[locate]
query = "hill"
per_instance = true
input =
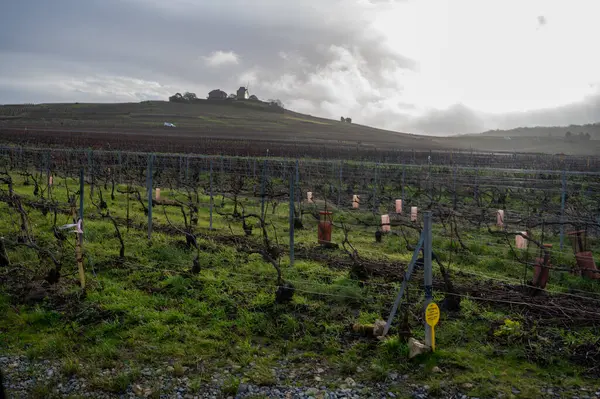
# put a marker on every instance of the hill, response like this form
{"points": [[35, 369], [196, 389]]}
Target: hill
{"points": [[572, 139], [250, 127], [593, 129], [245, 120]]}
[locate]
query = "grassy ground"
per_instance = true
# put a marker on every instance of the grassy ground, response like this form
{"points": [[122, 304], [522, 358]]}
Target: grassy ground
{"points": [[148, 308]]}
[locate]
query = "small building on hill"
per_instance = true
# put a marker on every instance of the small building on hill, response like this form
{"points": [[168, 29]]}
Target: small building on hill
{"points": [[242, 93], [217, 95]]}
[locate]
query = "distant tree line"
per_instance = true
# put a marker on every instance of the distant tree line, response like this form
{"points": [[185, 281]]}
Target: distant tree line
{"points": [[345, 120], [187, 97], [570, 137]]}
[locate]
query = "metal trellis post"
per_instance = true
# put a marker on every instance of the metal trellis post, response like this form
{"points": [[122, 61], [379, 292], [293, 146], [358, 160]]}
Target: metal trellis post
{"points": [[210, 177], [405, 281], [291, 221], [562, 208], [428, 270]]}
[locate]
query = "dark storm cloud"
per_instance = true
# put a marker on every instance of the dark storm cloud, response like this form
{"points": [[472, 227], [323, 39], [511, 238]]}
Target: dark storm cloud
{"points": [[169, 39]]}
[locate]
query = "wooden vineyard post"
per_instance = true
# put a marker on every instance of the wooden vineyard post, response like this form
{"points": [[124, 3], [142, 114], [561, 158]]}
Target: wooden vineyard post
{"points": [[149, 191], [79, 243], [81, 181], [454, 187], [119, 160], [427, 248], [262, 190]]}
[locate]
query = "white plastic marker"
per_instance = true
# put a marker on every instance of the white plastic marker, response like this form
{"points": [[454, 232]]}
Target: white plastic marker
{"points": [[413, 214], [76, 226]]}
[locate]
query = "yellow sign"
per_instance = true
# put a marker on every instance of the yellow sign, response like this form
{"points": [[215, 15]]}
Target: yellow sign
{"points": [[432, 314], [432, 317]]}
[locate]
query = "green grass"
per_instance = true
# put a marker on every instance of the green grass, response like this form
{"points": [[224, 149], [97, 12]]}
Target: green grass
{"points": [[149, 309]]}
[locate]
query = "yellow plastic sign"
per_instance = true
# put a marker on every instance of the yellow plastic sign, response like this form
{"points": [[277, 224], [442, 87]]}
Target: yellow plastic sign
{"points": [[432, 317]]}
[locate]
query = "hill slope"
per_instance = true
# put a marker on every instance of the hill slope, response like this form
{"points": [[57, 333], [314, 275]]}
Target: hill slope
{"points": [[245, 120], [592, 129], [254, 124]]}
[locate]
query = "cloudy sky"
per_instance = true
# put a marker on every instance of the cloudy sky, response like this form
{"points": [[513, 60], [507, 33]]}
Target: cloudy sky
{"points": [[423, 66]]}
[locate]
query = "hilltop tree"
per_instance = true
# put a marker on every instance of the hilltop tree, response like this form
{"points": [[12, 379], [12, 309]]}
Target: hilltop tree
{"points": [[190, 96], [177, 98], [568, 135], [276, 103], [584, 136]]}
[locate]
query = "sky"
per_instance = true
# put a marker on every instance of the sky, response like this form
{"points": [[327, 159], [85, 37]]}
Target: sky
{"points": [[422, 66]]}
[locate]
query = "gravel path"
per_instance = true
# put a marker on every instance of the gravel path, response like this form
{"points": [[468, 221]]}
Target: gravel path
{"points": [[26, 378]]}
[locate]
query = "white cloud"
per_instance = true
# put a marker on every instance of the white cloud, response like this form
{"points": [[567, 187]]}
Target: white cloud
{"points": [[426, 66], [220, 58], [97, 88]]}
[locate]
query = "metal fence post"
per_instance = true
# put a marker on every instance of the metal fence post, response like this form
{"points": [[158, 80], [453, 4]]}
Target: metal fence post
{"points": [[291, 220], [402, 186], [340, 184], [120, 167], [428, 270], [92, 174], [298, 189], [375, 190], [254, 175], [221, 178], [562, 208], [407, 274], [210, 177], [187, 169]]}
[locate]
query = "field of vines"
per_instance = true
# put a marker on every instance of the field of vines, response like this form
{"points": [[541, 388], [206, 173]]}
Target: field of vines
{"points": [[219, 270]]}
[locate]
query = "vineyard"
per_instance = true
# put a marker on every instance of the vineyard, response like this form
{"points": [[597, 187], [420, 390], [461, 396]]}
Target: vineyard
{"points": [[114, 260]]}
